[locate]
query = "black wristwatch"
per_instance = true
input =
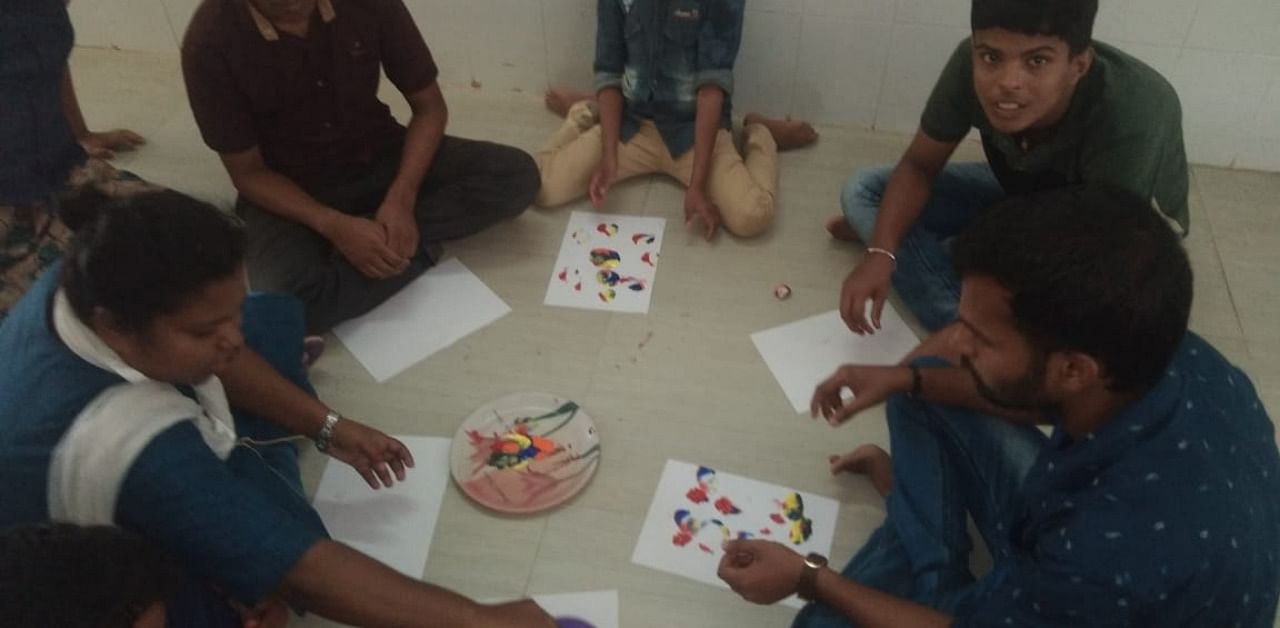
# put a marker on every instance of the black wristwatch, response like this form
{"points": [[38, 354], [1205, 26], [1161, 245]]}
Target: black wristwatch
{"points": [[807, 588]]}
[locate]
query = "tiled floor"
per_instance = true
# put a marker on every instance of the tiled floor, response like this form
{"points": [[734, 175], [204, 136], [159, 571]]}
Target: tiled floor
{"points": [[697, 390]]}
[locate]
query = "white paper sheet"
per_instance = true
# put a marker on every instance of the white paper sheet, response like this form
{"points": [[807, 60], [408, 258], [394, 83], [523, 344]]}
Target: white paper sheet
{"points": [[804, 353], [699, 557], [393, 525], [441, 307], [619, 281], [598, 608]]}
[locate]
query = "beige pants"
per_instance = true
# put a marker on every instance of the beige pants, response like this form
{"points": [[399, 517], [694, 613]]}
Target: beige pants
{"points": [[743, 188]]}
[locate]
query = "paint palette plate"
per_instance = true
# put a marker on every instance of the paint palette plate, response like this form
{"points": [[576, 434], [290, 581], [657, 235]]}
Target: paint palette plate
{"points": [[525, 453]]}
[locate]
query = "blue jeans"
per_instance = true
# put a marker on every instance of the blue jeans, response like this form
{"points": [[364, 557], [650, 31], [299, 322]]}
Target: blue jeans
{"points": [[947, 462], [925, 277]]}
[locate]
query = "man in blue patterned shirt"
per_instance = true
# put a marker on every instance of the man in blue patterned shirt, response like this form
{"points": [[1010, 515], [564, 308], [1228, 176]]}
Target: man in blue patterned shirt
{"points": [[1152, 503], [664, 85]]}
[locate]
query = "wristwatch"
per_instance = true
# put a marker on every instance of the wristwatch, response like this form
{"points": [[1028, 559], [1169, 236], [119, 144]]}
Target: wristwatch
{"points": [[807, 589], [325, 437]]}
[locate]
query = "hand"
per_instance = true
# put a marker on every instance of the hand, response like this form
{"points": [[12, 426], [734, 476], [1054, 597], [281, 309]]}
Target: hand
{"points": [[520, 614], [762, 572], [602, 180], [271, 612], [869, 280], [374, 454], [103, 145], [696, 205], [401, 225], [871, 385], [365, 244]]}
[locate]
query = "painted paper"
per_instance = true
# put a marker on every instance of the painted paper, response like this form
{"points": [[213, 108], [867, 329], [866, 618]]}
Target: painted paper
{"points": [[607, 262], [696, 508]]}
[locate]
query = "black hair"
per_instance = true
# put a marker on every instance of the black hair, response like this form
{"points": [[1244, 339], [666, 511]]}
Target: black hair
{"points": [[1069, 20], [1092, 269], [141, 257], [63, 575]]}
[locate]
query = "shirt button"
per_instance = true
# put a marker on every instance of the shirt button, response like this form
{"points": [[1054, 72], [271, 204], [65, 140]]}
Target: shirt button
{"points": [[328, 125], [320, 83]]}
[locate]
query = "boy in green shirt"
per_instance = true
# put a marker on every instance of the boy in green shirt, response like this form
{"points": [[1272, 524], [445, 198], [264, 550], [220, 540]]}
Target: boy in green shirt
{"points": [[1053, 107]]}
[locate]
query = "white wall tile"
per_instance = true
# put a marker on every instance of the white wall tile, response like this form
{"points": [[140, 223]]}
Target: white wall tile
{"points": [[1268, 121], [840, 70], [126, 24], [776, 6], [935, 12], [1163, 59], [917, 55], [868, 10], [1236, 25], [765, 72], [507, 44], [445, 28], [571, 40], [1259, 154], [179, 13], [1159, 22], [1224, 80]]}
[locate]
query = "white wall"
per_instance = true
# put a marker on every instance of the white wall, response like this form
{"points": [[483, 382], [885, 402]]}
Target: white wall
{"points": [[863, 63]]}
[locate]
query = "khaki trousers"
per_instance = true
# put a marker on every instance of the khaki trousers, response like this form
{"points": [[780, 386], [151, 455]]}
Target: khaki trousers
{"points": [[744, 188]]}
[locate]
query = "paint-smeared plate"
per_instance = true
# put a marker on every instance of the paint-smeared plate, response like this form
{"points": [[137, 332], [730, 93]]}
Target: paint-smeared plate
{"points": [[525, 453]]}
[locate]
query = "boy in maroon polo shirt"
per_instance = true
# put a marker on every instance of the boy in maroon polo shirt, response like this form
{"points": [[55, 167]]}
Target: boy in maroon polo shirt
{"points": [[344, 206]]}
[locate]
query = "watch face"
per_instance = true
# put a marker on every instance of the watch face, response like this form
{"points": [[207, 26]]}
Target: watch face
{"points": [[815, 560]]}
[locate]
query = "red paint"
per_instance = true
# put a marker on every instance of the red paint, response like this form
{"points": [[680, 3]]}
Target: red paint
{"points": [[766, 531], [726, 507], [697, 495], [703, 547], [681, 539], [777, 518]]}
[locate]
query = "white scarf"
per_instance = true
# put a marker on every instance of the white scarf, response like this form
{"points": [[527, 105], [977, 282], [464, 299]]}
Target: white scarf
{"points": [[90, 463]]}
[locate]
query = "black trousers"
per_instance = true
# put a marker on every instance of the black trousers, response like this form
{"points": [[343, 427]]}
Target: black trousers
{"points": [[470, 186]]}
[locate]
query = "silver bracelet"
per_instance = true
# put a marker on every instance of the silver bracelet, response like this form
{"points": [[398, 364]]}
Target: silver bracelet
{"points": [[325, 437], [892, 257]]}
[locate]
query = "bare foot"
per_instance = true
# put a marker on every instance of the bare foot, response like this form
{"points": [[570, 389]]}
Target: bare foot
{"points": [[559, 100], [839, 229], [788, 134], [868, 460]]}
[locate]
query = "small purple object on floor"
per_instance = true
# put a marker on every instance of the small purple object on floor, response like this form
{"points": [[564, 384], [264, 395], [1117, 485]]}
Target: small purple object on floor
{"points": [[573, 622], [312, 349]]}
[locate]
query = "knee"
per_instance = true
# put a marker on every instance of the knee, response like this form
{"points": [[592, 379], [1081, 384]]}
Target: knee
{"points": [[525, 181], [860, 198], [752, 216]]}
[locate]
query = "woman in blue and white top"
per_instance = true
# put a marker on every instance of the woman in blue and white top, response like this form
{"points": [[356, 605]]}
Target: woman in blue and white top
{"points": [[140, 387]]}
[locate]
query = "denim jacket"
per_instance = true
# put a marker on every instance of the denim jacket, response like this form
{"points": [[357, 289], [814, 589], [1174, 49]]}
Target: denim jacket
{"points": [[659, 52]]}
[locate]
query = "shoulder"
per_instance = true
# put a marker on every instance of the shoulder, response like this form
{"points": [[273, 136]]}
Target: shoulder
{"points": [[1133, 92], [211, 25]]}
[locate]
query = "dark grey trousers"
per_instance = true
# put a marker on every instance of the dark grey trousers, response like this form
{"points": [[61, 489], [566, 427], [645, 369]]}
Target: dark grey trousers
{"points": [[470, 186]]}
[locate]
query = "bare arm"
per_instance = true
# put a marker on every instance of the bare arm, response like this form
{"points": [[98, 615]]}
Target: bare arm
{"points": [[340, 583], [873, 385], [609, 100], [426, 129], [904, 198], [252, 384], [71, 106], [362, 241], [909, 189], [706, 124]]}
